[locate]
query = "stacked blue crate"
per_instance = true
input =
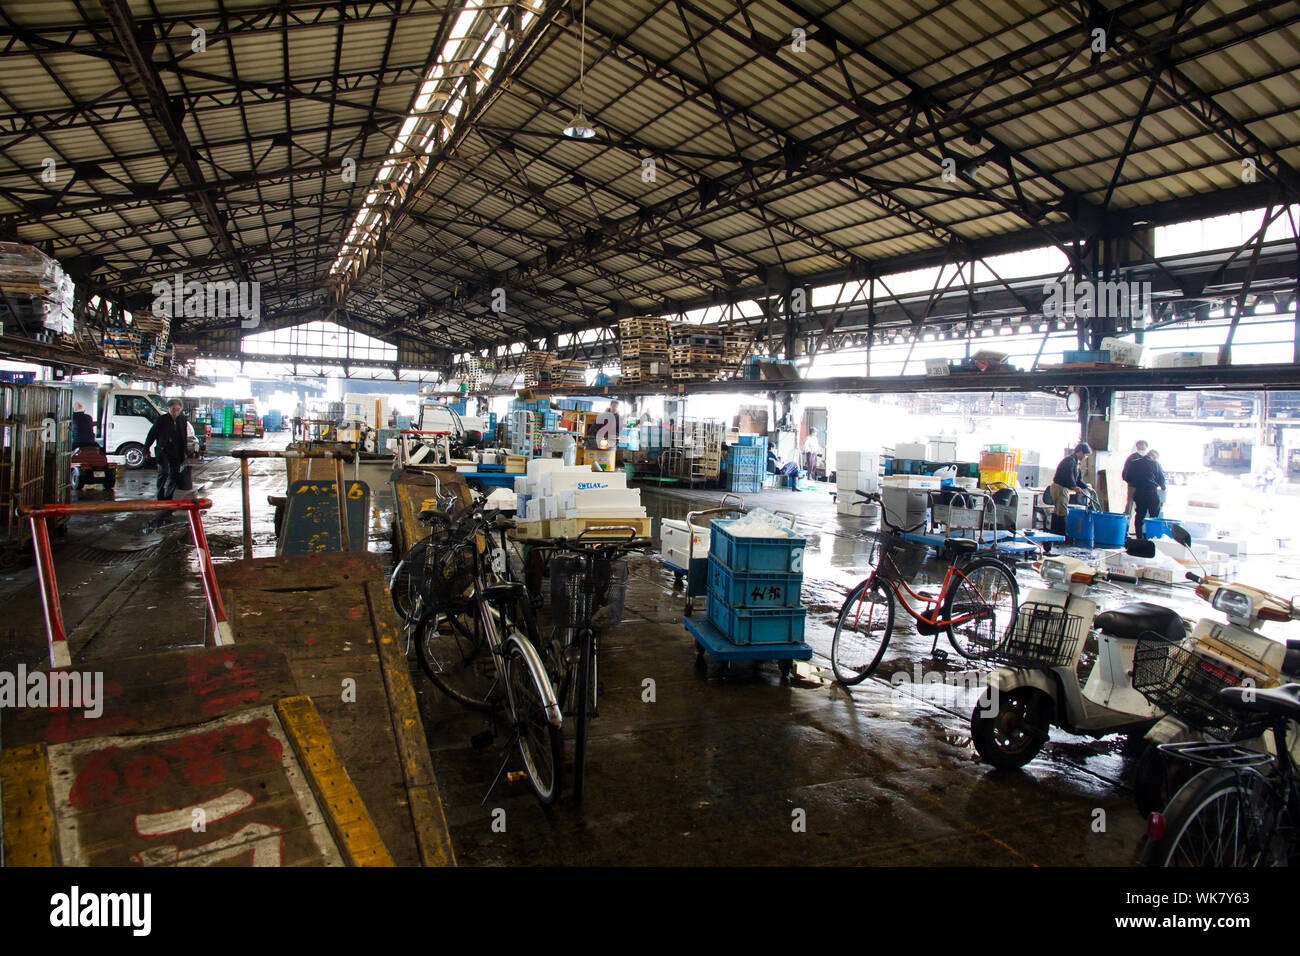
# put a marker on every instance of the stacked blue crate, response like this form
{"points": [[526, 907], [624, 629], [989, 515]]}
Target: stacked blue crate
{"points": [[755, 586], [745, 466]]}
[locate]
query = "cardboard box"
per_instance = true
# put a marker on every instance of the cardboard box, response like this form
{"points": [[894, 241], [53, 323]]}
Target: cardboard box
{"points": [[515, 464], [1122, 352]]}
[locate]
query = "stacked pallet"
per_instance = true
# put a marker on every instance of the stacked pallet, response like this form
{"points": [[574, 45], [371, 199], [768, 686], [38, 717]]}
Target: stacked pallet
{"points": [[544, 370], [643, 349], [695, 353], [537, 366], [123, 344], [736, 346]]}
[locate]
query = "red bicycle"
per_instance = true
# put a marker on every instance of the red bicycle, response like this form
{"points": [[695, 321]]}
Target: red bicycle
{"points": [[975, 606]]}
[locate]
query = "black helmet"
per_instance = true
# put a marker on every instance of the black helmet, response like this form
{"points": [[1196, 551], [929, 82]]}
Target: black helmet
{"points": [[1084, 447]]}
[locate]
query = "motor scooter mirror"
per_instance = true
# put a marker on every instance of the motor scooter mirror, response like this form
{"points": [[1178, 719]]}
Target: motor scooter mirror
{"points": [[1140, 547], [1179, 534]]}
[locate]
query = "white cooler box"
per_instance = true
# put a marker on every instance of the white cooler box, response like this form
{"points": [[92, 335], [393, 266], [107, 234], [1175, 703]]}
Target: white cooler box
{"points": [[675, 542]]}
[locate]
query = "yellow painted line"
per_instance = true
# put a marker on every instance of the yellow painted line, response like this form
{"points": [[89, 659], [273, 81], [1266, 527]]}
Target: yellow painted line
{"points": [[412, 746], [347, 815], [28, 819]]}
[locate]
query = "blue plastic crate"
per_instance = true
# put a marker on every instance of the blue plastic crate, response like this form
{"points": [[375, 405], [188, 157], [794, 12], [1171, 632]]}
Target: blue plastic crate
{"points": [[750, 440], [762, 589], [744, 553], [757, 625], [745, 486]]}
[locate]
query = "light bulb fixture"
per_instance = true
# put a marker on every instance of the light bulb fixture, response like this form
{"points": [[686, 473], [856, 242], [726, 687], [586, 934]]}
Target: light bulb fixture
{"points": [[579, 126]]}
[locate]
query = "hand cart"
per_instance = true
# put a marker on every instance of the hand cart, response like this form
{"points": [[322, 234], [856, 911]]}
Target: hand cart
{"points": [[318, 516]]}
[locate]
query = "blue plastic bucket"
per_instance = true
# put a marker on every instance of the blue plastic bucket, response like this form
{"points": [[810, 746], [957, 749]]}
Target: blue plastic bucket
{"points": [[1078, 523], [1108, 529]]}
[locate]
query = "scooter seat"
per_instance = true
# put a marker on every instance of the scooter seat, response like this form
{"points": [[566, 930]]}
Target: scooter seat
{"points": [[1281, 701], [1142, 620], [1291, 663]]}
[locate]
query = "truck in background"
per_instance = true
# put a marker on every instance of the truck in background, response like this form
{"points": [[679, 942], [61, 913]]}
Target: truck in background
{"points": [[123, 417]]}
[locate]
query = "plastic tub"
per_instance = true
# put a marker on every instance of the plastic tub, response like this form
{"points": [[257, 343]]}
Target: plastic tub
{"points": [[1109, 529], [759, 589], [1078, 523], [757, 626]]}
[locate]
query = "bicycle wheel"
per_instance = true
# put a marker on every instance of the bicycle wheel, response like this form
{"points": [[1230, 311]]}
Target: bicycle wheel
{"points": [[1222, 817], [986, 596], [530, 697], [862, 631], [454, 655], [407, 584], [584, 693]]}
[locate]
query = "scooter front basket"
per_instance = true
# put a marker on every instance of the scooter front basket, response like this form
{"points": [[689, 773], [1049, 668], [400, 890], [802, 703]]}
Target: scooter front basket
{"points": [[1044, 635]]}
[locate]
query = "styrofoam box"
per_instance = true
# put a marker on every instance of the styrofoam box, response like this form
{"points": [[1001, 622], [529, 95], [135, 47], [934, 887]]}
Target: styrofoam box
{"points": [[1122, 352], [581, 479], [1185, 359], [855, 461], [1232, 547], [924, 482], [856, 509], [673, 534], [537, 467], [910, 449], [623, 512], [550, 507], [941, 451], [533, 509], [628, 499], [521, 485], [851, 481]]}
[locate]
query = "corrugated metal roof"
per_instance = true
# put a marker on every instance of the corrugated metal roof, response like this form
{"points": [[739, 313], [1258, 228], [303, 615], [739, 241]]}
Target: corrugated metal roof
{"points": [[819, 161]]}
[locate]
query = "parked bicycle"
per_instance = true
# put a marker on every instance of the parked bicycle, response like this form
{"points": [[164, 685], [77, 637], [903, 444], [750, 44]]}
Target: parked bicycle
{"points": [[477, 638], [975, 605], [588, 581], [1243, 805]]}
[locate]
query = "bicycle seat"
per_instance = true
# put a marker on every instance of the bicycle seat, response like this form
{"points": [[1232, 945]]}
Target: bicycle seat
{"points": [[504, 591], [501, 521], [962, 545], [1281, 701], [1142, 620]]}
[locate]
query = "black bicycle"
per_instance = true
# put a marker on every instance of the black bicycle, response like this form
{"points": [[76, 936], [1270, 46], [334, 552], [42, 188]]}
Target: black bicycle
{"points": [[478, 642], [1242, 807], [588, 590]]}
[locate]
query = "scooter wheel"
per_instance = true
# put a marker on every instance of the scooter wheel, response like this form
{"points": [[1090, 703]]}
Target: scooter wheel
{"points": [[1009, 728]]}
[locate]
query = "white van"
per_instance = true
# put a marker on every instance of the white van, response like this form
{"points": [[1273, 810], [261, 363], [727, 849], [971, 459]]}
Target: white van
{"points": [[123, 419]]}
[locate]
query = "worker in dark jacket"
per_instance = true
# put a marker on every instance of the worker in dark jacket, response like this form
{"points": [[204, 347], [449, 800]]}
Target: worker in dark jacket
{"points": [[1140, 450], [83, 429], [1066, 482], [170, 438], [1147, 479]]}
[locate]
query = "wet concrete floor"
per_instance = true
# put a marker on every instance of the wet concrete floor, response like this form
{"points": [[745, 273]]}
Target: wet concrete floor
{"points": [[714, 766]]}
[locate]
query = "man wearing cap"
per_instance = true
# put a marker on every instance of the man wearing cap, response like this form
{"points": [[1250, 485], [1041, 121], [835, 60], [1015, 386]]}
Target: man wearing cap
{"points": [[1066, 482], [170, 433]]}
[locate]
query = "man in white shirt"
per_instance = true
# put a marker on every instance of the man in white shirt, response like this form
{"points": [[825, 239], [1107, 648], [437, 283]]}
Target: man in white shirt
{"points": [[812, 450]]}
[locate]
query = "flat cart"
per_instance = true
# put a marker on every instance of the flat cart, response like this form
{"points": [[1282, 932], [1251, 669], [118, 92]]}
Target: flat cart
{"points": [[697, 573], [709, 640]]}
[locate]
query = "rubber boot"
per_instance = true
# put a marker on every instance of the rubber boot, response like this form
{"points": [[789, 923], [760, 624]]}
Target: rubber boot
{"points": [[1058, 525]]}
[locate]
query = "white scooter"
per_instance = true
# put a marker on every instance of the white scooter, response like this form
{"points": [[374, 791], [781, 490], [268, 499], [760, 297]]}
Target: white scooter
{"points": [[1185, 681], [1041, 688]]}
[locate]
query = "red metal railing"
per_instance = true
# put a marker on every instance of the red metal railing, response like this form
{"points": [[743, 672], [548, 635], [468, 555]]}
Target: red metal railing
{"points": [[58, 638]]}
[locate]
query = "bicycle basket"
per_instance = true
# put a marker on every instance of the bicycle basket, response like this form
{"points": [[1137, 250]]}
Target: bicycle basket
{"points": [[583, 588], [1186, 682], [449, 574], [1044, 635]]}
